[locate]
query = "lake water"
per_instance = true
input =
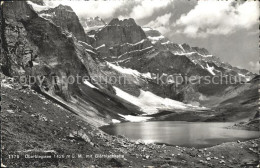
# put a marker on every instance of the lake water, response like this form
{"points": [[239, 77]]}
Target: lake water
{"points": [[188, 134]]}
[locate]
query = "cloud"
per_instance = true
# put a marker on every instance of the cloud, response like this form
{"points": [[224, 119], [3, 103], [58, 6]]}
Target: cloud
{"points": [[146, 8], [161, 23], [255, 66], [104, 9], [137, 9], [217, 18]]}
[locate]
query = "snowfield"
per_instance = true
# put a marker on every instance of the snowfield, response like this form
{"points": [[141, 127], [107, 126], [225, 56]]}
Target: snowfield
{"points": [[135, 118], [146, 29], [115, 121], [150, 103]]}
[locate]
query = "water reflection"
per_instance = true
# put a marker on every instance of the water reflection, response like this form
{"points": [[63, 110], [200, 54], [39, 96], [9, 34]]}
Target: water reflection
{"points": [[188, 134]]}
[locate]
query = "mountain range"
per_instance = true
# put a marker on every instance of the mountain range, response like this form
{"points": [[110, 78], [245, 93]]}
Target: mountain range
{"points": [[53, 42]]}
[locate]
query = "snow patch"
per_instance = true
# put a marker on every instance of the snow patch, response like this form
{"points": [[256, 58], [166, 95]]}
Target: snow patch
{"points": [[206, 55], [147, 75], [128, 71], [35, 63], [85, 44], [45, 15], [103, 45], [181, 47], [89, 84], [135, 118], [38, 8], [139, 42], [241, 75], [167, 42], [191, 53], [202, 97], [91, 51], [123, 70], [115, 121], [92, 36], [149, 102], [133, 44], [210, 69], [157, 38], [146, 29]]}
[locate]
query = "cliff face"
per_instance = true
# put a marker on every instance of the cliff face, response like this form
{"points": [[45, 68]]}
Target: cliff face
{"points": [[19, 52], [66, 18], [37, 47], [119, 32]]}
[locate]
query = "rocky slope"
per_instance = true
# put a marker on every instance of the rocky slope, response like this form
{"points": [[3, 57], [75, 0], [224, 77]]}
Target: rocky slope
{"points": [[34, 45]]}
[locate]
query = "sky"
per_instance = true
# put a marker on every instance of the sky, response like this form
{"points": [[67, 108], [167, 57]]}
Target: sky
{"points": [[228, 29]]}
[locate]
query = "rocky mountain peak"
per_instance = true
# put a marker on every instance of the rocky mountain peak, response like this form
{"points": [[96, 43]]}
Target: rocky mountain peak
{"points": [[64, 7], [120, 32], [125, 22], [64, 17]]}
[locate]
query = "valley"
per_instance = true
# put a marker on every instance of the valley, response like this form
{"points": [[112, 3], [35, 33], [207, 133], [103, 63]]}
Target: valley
{"points": [[33, 125], [132, 80]]}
